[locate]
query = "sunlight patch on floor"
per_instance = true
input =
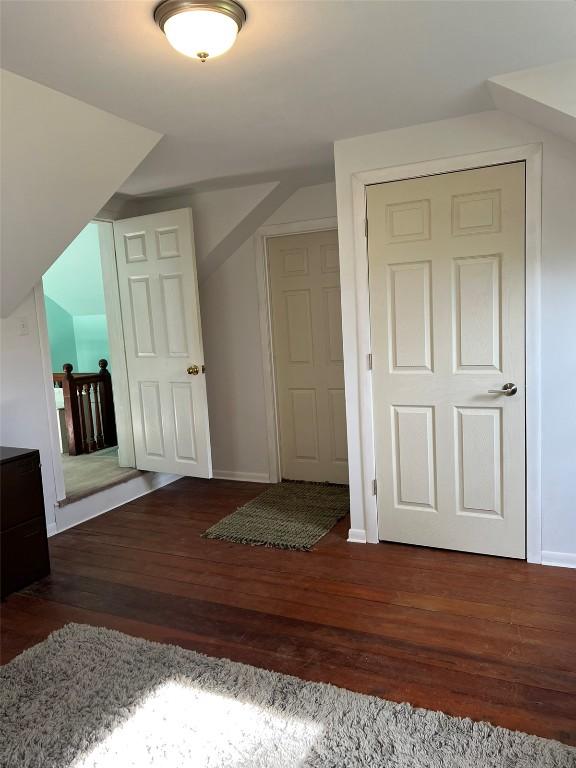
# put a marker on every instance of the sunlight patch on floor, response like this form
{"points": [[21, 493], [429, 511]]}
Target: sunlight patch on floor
{"points": [[179, 725]]}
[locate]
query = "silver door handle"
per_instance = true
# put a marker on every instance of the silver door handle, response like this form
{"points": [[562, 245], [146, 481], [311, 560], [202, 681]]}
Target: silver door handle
{"points": [[508, 390]]}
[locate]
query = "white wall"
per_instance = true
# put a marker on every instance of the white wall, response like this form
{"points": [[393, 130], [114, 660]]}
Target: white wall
{"points": [[216, 212], [61, 161], [314, 202], [234, 377], [229, 306], [231, 329], [461, 136], [24, 419]]}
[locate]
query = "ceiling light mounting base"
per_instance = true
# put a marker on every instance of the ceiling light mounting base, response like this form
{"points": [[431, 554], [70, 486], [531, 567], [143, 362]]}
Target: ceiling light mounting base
{"points": [[170, 8]]}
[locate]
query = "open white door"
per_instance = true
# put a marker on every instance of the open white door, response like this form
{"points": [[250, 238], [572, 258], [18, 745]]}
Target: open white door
{"points": [[164, 354]]}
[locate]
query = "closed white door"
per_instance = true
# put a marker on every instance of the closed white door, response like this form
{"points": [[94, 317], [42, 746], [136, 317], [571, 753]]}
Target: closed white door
{"points": [[163, 337], [446, 260], [307, 339]]}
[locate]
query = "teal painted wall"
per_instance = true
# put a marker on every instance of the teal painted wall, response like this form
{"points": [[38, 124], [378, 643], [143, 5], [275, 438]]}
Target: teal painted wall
{"points": [[73, 287], [75, 279], [61, 334], [91, 341]]}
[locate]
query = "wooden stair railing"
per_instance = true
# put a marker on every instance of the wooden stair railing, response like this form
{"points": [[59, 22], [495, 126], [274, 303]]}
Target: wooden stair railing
{"points": [[88, 408]]}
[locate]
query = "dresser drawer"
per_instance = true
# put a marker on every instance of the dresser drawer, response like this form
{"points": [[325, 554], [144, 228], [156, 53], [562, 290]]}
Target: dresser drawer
{"points": [[24, 555], [21, 497]]}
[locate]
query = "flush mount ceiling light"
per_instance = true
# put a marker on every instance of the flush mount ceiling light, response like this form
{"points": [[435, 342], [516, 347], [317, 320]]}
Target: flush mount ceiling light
{"points": [[200, 28]]}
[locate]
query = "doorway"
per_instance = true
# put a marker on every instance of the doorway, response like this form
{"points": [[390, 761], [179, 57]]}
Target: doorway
{"points": [[306, 325], [148, 278], [83, 378], [446, 258]]}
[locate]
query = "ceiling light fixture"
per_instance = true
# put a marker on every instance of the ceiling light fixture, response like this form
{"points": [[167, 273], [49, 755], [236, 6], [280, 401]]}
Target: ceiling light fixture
{"points": [[201, 28]]}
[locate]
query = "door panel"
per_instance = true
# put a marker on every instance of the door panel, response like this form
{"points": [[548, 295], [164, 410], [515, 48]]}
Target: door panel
{"points": [[477, 310], [174, 315], [304, 418], [160, 312], [410, 322], [307, 338], [414, 464], [153, 432], [478, 461], [446, 260]]}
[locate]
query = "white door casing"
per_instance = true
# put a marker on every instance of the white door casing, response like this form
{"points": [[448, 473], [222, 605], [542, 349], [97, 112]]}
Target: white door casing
{"points": [[446, 273], [307, 344], [117, 349], [161, 318]]}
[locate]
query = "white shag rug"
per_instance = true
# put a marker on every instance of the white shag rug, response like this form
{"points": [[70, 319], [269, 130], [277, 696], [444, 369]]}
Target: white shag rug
{"points": [[94, 698]]}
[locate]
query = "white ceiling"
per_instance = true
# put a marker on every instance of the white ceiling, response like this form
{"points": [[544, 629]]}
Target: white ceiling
{"points": [[302, 73]]}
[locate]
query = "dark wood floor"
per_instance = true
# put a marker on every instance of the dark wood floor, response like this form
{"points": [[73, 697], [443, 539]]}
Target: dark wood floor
{"points": [[475, 636]]}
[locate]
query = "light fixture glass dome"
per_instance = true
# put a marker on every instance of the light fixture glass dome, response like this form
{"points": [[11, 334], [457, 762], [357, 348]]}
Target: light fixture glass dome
{"points": [[200, 28], [201, 33]]}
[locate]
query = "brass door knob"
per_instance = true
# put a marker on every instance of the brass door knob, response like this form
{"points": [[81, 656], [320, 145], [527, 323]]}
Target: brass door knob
{"points": [[194, 370]]}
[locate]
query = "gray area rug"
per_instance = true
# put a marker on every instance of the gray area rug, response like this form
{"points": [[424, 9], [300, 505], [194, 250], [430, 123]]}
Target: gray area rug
{"points": [[94, 698], [288, 515], [91, 473]]}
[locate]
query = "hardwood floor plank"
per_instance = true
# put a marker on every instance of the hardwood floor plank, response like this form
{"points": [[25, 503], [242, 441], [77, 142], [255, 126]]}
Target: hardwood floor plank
{"points": [[487, 639], [247, 578], [206, 618], [545, 598], [471, 635], [509, 715], [308, 645]]}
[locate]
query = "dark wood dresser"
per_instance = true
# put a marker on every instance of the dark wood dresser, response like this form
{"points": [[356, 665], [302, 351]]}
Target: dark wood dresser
{"points": [[23, 540]]}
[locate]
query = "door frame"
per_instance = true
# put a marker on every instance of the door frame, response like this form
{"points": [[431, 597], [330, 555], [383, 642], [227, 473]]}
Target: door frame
{"points": [[362, 409], [263, 234], [116, 344], [46, 359]]}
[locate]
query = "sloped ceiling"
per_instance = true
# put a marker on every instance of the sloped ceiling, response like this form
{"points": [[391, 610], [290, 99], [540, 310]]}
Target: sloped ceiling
{"points": [[226, 216], [61, 161], [545, 96], [216, 212], [301, 75]]}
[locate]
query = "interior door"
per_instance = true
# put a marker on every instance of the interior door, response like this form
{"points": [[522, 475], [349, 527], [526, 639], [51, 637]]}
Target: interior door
{"points": [[307, 338], [163, 337], [446, 260]]}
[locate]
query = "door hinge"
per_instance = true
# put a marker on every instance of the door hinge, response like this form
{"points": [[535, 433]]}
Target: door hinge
{"points": [[366, 228], [369, 361], [374, 487]]}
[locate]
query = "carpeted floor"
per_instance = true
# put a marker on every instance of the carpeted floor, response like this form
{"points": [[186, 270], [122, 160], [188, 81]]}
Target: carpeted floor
{"points": [[288, 515], [90, 473], [94, 698]]}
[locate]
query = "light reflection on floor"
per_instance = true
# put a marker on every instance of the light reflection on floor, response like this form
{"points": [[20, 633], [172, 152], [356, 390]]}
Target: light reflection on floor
{"points": [[182, 726]]}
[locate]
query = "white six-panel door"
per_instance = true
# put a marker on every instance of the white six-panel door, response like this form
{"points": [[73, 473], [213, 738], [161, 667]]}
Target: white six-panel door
{"points": [[163, 338], [446, 261], [307, 340]]}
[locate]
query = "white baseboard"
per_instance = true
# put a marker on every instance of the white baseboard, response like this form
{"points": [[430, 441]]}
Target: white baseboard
{"points": [[51, 529], [246, 477], [357, 536], [562, 559], [92, 506]]}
